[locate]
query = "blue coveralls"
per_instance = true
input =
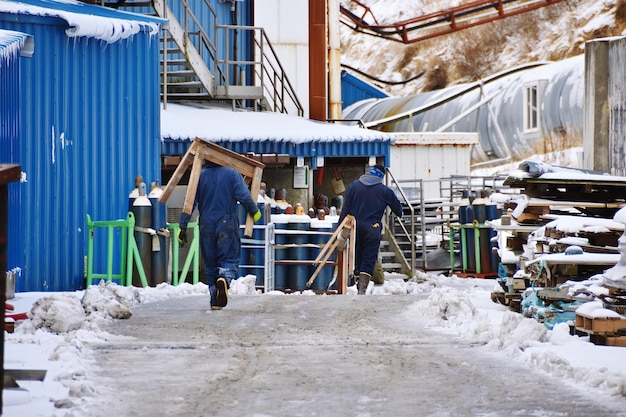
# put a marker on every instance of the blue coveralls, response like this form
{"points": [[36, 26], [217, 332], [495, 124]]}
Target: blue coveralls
{"points": [[219, 190], [366, 200]]}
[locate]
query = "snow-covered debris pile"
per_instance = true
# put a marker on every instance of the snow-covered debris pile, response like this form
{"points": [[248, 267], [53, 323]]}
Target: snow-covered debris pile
{"points": [[86, 310], [471, 315]]}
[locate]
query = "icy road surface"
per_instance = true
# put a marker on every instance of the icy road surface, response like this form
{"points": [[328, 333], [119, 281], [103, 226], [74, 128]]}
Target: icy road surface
{"points": [[315, 356]]}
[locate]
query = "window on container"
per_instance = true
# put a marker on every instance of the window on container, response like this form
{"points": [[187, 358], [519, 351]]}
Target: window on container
{"points": [[531, 108]]}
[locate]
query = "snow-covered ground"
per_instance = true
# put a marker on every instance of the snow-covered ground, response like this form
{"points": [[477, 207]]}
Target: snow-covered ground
{"points": [[61, 325]]}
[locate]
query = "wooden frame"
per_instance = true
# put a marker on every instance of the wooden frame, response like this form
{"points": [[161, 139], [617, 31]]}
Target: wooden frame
{"points": [[201, 150]]}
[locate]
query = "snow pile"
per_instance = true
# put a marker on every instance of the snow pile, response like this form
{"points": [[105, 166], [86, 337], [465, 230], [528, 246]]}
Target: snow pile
{"points": [[475, 318]]}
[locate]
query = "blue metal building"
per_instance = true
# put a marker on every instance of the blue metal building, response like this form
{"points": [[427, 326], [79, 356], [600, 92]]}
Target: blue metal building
{"points": [[89, 123], [354, 89], [13, 45]]}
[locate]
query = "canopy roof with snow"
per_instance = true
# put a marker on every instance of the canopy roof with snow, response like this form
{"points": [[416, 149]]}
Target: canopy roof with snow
{"points": [[13, 43], [86, 20], [266, 132]]}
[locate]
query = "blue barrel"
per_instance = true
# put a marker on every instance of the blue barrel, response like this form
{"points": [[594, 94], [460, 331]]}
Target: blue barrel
{"points": [[299, 253], [465, 214], [323, 229], [492, 211], [480, 212], [281, 272]]}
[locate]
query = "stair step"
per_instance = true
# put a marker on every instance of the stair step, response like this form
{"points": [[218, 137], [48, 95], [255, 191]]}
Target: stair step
{"points": [[180, 73], [390, 265], [185, 84], [187, 96], [176, 61], [388, 254]]}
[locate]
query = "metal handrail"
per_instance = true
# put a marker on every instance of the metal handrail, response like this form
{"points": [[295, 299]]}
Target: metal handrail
{"points": [[268, 73], [266, 70], [411, 236]]}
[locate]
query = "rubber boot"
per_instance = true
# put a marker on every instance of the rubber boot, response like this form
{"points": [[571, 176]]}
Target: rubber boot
{"points": [[364, 280]]}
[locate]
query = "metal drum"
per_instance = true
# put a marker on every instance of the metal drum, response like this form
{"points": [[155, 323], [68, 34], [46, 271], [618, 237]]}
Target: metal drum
{"points": [[256, 254], [159, 223], [281, 272], [299, 253], [323, 229]]}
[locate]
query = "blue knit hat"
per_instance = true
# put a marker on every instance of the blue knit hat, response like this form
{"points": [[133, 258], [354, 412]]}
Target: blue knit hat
{"points": [[378, 170]]}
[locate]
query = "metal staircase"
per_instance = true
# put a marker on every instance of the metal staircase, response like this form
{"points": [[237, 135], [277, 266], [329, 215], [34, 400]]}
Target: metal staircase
{"points": [[425, 237], [200, 59]]}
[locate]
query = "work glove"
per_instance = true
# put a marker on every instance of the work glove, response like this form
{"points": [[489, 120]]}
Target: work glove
{"points": [[182, 237], [257, 216]]}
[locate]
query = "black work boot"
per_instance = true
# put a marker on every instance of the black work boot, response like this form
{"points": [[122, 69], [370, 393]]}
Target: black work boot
{"points": [[363, 280]]}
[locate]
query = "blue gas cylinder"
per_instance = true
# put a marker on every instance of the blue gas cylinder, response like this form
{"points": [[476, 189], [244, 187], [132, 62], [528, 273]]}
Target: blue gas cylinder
{"points": [[299, 253], [322, 231]]}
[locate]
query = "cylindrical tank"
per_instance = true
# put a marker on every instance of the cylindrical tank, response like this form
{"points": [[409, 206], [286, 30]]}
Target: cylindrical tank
{"points": [[243, 254], [493, 212], [281, 272], [135, 193], [333, 218], [142, 209], [256, 255], [159, 223], [322, 229], [299, 252]]}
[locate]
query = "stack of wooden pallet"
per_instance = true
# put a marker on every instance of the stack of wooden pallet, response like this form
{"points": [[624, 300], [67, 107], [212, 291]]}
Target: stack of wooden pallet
{"points": [[610, 331]]}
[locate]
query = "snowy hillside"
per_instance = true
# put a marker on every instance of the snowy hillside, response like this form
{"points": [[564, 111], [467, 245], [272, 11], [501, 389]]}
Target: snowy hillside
{"points": [[551, 33]]}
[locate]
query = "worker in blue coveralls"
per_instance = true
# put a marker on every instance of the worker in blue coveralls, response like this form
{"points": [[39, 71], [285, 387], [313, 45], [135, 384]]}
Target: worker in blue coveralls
{"points": [[366, 200], [219, 190]]}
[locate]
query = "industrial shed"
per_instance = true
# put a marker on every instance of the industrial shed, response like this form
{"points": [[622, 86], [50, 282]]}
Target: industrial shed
{"points": [[89, 123], [286, 144]]}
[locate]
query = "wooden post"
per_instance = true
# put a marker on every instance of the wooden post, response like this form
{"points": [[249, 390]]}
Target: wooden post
{"points": [[343, 267]]}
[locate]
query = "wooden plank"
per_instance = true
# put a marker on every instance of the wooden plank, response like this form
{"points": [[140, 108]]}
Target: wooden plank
{"points": [[178, 174], [193, 185], [255, 186], [229, 153]]}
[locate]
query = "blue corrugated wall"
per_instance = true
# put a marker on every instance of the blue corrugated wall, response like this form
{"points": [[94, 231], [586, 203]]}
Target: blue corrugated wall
{"points": [[9, 144], [90, 124], [354, 89]]}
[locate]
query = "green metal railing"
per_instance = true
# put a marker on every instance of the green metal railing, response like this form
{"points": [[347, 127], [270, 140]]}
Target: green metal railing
{"points": [[129, 253]]}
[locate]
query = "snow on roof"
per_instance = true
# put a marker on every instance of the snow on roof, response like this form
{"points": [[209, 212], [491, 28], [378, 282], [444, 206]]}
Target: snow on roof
{"points": [[576, 224], [188, 122], [11, 43], [86, 20], [587, 258]]}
